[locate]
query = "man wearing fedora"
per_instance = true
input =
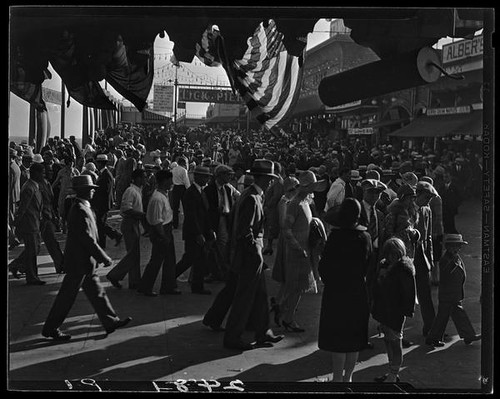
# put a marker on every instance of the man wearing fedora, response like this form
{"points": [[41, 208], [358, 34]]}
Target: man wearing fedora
{"points": [[250, 298], [103, 201], [197, 232], [81, 256], [451, 294], [424, 257], [27, 223]]}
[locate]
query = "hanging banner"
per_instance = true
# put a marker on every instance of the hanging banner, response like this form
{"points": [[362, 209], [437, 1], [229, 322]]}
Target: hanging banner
{"points": [[163, 98], [51, 96], [209, 96]]}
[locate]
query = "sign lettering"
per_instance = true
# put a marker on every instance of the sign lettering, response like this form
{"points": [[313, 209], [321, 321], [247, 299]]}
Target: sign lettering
{"points": [[462, 49], [362, 130], [208, 96], [448, 111], [163, 98]]}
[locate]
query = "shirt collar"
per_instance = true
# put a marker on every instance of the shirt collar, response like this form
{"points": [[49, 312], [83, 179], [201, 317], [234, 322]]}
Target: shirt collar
{"points": [[84, 202], [258, 188]]}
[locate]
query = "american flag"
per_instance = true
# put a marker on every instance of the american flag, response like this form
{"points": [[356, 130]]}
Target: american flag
{"points": [[267, 76]]}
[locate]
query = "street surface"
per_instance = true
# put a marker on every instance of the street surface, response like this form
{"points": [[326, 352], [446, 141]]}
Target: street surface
{"points": [[166, 340]]}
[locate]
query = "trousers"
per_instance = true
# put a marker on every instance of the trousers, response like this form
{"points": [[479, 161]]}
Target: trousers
{"points": [[194, 257], [47, 230], [423, 287], [131, 262], [456, 311], [162, 256], [177, 193], [222, 303], [67, 295]]}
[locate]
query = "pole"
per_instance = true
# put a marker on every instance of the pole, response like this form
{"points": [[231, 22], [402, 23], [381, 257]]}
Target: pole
{"points": [[175, 98], [63, 109]]}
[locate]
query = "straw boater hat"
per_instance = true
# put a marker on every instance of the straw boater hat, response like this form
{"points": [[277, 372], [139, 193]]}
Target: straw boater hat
{"points": [[82, 181], [202, 170], [262, 167], [308, 182], [102, 157], [454, 239]]}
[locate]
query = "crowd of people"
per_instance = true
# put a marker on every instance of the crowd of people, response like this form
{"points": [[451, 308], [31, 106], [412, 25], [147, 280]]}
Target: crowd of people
{"points": [[366, 224]]}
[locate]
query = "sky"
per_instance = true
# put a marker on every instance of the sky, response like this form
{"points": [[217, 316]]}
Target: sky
{"points": [[193, 73]]}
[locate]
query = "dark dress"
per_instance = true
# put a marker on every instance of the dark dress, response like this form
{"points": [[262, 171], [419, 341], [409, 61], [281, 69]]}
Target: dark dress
{"points": [[343, 325]]}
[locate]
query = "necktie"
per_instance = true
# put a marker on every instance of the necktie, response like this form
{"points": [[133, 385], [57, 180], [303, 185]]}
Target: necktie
{"points": [[223, 206], [372, 224], [204, 199]]}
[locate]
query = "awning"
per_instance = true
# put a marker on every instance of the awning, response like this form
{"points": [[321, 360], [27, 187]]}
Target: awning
{"points": [[443, 125], [153, 117]]}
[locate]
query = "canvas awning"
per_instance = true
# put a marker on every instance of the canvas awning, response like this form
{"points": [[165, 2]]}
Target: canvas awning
{"points": [[442, 125], [153, 117]]}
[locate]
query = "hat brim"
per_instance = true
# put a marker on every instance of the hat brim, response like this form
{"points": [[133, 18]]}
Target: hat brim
{"points": [[456, 242], [85, 186], [320, 185], [356, 178], [203, 173], [260, 173]]}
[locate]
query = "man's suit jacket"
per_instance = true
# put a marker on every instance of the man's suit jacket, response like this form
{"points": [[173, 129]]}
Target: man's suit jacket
{"points": [[423, 250], [27, 219], [213, 202], [247, 231], [451, 198], [363, 220], [82, 251], [196, 220], [451, 278], [103, 197]]}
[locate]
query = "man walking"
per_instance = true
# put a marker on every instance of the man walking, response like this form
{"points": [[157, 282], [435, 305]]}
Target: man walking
{"points": [[159, 215], [132, 212], [81, 255], [196, 231], [181, 183], [250, 298]]}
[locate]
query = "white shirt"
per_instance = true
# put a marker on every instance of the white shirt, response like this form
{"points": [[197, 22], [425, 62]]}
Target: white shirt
{"points": [[159, 210], [180, 176], [131, 199]]}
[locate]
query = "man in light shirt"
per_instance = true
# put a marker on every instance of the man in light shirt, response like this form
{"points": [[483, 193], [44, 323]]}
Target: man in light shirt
{"points": [[180, 180], [159, 215], [132, 213], [339, 190]]}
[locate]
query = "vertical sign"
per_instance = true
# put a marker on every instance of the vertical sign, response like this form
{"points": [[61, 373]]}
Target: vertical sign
{"points": [[163, 98]]}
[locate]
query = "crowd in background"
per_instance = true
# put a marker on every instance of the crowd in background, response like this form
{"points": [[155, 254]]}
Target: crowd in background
{"points": [[369, 210]]}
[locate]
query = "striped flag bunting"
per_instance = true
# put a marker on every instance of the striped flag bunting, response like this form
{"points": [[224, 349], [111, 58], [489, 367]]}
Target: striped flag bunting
{"points": [[268, 77]]}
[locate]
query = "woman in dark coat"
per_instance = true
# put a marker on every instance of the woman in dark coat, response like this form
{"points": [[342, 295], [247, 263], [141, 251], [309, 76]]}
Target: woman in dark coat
{"points": [[343, 326], [393, 294]]}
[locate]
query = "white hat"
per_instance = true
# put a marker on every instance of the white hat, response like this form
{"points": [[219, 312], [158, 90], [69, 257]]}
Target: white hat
{"points": [[101, 157], [37, 158]]}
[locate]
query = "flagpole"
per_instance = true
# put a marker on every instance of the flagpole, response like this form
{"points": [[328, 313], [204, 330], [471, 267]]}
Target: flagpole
{"points": [[63, 110]]}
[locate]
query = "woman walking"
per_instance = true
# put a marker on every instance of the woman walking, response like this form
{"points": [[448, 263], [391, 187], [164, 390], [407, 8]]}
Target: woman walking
{"points": [[343, 326], [393, 294]]}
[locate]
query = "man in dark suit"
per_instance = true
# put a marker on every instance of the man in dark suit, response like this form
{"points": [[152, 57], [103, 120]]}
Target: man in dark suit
{"points": [[103, 202], [27, 222], [424, 258], [81, 255], [221, 196], [452, 198], [196, 231], [250, 302]]}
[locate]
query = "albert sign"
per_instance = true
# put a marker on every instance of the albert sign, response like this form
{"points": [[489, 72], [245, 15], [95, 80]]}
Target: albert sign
{"points": [[208, 96], [463, 49]]}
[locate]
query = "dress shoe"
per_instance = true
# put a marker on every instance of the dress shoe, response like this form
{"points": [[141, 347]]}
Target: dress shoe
{"points": [[212, 326], [171, 292], [147, 293], [36, 282], [269, 338], [203, 291], [291, 328], [15, 273], [238, 345], [114, 283], [57, 335], [470, 340], [406, 344], [118, 324], [436, 344]]}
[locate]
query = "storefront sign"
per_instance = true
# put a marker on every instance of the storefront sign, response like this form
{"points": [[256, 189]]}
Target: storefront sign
{"points": [[163, 98], [462, 49], [363, 130], [208, 96], [464, 67], [448, 111]]}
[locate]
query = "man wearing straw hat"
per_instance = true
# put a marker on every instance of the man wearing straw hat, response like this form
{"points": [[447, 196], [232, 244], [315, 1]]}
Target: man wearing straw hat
{"points": [[451, 294], [81, 256], [247, 237]]}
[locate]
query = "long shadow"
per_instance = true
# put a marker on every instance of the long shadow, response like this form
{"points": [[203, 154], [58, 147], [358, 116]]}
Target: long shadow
{"points": [[140, 358]]}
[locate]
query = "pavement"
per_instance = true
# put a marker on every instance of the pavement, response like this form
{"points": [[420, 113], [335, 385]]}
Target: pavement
{"points": [[166, 341]]}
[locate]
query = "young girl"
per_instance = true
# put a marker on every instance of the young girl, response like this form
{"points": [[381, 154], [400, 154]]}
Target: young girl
{"points": [[393, 295]]}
